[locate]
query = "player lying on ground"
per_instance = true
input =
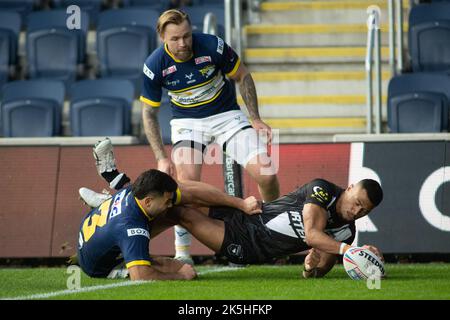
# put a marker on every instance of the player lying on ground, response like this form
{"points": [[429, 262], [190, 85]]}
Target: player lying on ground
{"points": [[319, 216], [120, 228]]}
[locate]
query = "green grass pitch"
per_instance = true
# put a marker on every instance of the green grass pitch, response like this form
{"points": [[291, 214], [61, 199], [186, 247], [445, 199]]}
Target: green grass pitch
{"points": [[405, 281]]}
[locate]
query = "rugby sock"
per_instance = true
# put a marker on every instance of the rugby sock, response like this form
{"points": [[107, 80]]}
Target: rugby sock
{"points": [[119, 182], [115, 179], [110, 176], [182, 242]]}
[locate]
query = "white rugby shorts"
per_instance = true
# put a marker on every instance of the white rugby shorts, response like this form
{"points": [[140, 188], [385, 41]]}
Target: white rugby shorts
{"points": [[231, 130]]}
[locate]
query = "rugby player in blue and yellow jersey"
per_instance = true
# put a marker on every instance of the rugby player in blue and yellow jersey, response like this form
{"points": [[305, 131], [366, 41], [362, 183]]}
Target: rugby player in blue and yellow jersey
{"points": [[196, 70], [119, 230]]}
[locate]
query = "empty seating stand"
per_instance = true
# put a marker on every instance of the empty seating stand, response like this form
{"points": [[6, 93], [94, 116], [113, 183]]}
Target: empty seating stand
{"points": [[32, 108], [10, 23], [419, 102], [91, 7], [125, 37], [429, 37], [22, 7], [159, 5], [198, 13], [101, 107]]}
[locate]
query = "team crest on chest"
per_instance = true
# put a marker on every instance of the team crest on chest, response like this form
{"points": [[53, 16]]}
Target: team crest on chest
{"points": [[189, 77], [207, 71]]}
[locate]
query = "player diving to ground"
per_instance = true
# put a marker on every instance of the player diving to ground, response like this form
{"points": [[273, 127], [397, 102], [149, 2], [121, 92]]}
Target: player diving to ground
{"points": [[319, 217]]}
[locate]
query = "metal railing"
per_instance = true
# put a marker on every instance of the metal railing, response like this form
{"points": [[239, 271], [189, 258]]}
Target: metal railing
{"points": [[373, 57], [395, 10], [210, 24], [373, 61], [233, 25]]}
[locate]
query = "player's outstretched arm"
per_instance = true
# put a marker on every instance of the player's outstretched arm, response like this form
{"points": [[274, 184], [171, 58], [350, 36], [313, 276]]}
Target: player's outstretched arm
{"points": [[315, 221], [163, 269], [203, 194], [318, 263]]}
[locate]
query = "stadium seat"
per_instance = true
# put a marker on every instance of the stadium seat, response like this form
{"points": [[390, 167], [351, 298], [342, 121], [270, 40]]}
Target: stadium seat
{"points": [[9, 34], [22, 7], [429, 37], [54, 50], [125, 38], [209, 2], [32, 108], [419, 102], [101, 107], [159, 5], [91, 7], [197, 14]]}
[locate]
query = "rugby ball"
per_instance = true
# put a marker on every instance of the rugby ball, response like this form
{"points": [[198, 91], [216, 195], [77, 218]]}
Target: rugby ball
{"points": [[361, 264]]}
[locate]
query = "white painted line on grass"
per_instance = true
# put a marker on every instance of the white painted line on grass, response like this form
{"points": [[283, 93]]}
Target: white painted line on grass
{"points": [[103, 287]]}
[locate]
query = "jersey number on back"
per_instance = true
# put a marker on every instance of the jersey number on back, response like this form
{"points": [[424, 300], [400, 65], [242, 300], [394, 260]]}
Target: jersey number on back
{"points": [[97, 220]]}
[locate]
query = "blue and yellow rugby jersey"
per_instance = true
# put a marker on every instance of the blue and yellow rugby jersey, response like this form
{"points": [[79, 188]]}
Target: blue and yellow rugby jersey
{"points": [[118, 230], [197, 87]]}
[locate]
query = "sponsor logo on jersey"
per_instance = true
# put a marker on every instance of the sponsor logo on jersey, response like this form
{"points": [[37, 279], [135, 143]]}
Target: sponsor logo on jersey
{"points": [[203, 59], [148, 72], [138, 232], [220, 44], [169, 70], [321, 195], [235, 250], [297, 224], [289, 223], [207, 71], [173, 83], [117, 204]]}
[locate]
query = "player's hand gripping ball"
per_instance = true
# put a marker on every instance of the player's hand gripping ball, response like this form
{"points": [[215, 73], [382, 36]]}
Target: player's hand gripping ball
{"points": [[361, 263]]}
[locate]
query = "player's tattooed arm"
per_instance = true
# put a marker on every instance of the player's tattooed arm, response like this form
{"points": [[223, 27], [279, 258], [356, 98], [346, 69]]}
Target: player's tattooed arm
{"points": [[152, 131], [248, 91]]}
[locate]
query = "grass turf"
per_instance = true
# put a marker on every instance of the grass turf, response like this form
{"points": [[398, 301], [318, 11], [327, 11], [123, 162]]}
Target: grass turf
{"points": [[405, 281]]}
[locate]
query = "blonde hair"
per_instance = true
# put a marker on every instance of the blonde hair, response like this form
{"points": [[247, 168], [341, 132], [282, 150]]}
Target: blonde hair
{"points": [[171, 16]]}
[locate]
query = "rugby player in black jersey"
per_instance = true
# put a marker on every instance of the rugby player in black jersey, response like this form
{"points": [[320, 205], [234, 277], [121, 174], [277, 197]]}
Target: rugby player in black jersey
{"points": [[319, 217]]}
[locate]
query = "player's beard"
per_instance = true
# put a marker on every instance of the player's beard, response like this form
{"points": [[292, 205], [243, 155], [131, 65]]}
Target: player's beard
{"points": [[184, 53]]}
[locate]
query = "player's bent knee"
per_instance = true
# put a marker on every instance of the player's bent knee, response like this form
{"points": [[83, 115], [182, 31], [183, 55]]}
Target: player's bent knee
{"points": [[267, 181]]}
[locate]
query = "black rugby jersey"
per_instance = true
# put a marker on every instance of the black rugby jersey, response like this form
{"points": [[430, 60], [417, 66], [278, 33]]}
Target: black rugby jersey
{"points": [[283, 219]]}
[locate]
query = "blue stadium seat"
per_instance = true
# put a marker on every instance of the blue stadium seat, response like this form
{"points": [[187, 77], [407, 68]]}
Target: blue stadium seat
{"points": [[197, 14], [209, 2], [101, 107], [429, 37], [419, 102], [91, 7], [159, 5], [32, 108], [54, 50], [9, 34], [125, 37], [22, 7]]}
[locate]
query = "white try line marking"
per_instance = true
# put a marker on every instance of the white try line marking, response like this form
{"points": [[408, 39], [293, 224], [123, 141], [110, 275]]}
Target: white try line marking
{"points": [[103, 287]]}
